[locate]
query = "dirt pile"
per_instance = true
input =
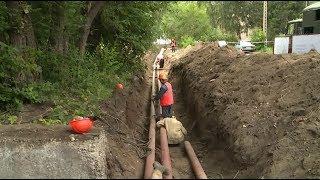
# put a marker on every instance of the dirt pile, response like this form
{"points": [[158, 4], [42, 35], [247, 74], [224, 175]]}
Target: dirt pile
{"points": [[264, 107], [125, 120]]}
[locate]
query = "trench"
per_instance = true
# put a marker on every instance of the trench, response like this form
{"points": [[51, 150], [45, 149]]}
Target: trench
{"points": [[209, 140], [209, 143]]}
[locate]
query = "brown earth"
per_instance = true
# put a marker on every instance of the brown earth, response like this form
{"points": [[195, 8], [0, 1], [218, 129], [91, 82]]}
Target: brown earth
{"points": [[126, 121], [257, 115]]}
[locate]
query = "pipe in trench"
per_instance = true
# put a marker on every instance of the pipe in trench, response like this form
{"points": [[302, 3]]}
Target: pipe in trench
{"points": [[165, 155], [196, 166], [152, 132]]}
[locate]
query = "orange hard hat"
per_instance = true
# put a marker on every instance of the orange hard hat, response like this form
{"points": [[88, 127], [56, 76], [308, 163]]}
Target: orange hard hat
{"points": [[81, 125], [163, 76], [119, 86]]}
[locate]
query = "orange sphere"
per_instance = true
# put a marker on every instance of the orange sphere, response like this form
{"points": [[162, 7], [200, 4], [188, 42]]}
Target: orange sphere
{"points": [[81, 125], [119, 86]]}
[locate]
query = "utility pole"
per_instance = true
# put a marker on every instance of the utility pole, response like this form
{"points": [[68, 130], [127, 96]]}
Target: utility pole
{"points": [[265, 20]]}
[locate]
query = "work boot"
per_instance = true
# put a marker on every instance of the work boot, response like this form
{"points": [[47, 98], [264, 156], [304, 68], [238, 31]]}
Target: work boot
{"points": [[158, 170], [161, 168]]}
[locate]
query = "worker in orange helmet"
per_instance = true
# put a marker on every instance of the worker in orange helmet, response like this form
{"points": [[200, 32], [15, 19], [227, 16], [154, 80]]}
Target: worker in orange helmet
{"points": [[173, 45], [165, 95]]}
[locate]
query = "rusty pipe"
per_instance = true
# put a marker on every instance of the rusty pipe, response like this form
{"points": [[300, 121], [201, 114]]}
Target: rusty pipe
{"points": [[196, 166], [152, 130], [152, 143], [159, 85], [165, 155]]}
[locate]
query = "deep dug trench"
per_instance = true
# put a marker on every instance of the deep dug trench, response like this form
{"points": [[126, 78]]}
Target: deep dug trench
{"points": [[253, 116], [199, 117], [209, 140]]}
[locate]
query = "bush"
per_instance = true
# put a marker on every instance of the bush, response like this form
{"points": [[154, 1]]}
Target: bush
{"points": [[258, 35], [18, 69], [187, 40], [74, 84], [216, 34], [263, 48], [83, 81]]}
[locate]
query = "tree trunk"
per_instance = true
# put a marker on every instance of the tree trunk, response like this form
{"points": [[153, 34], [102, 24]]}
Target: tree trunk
{"points": [[21, 33], [93, 9], [15, 36], [60, 23]]}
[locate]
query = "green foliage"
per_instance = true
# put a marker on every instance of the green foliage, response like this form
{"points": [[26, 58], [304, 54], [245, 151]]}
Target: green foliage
{"points": [[37, 92], [49, 122], [186, 19], [8, 119], [45, 20], [187, 40], [83, 82], [235, 16], [239, 16], [189, 21], [119, 36], [4, 24], [258, 35], [279, 13], [18, 69], [74, 83], [12, 119], [129, 27], [267, 49]]}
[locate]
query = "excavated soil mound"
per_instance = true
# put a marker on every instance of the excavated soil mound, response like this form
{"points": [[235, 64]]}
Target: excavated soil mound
{"points": [[125, 119], [264, 107]]}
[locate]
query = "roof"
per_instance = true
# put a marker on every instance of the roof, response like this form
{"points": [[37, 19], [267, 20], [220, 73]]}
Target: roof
{"points": [[312, 7], [296, 20]]}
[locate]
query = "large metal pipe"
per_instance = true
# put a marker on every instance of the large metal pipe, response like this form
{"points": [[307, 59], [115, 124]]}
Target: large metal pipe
{"points": [[165, 155], [152, 131], [196, 166], [152, 143]]}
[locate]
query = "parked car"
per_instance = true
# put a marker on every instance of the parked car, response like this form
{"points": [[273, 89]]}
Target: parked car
{"points": [[245, 46]]}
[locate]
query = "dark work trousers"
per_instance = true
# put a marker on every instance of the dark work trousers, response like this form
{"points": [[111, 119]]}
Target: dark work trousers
{"points": [[167, 111], [161, 63], [173, 49]]}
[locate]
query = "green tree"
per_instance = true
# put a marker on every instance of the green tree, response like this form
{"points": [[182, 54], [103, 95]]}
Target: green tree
{"points": [[73, 51], [239, 16], [279, 13], [236, 16], [185, 19]]}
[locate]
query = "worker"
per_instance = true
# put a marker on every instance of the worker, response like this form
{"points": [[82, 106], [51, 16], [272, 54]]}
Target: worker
{"points": [[165, 95], [160, 60], [173, 45]]}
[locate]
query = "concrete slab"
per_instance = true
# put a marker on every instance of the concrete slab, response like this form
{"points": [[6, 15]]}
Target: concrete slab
{"points": [[36, 151]]}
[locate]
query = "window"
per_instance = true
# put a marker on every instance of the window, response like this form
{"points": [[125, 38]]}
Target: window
{"points": [[308, 30], [299, 31], [318, 14]]}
